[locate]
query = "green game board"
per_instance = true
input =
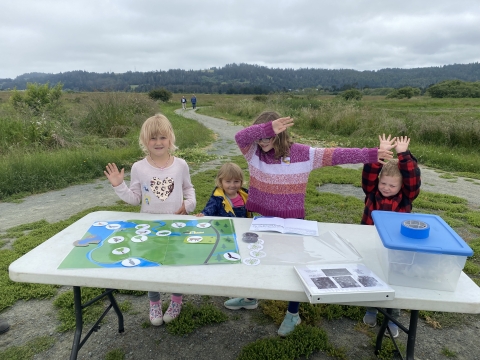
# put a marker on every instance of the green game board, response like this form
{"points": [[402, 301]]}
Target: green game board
{"points": [[138, 243]]}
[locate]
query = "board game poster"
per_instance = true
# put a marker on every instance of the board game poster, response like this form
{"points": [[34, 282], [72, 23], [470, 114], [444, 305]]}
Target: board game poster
{"points": [[139, 243]]}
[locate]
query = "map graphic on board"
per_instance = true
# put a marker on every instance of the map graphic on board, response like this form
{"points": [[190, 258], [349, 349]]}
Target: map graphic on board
{"points": [[139, 243]]}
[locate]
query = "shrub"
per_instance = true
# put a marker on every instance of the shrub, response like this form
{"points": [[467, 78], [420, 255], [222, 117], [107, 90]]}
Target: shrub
{"points": [[402, 93], [160, 94], [351, 94], [455, 89], [38, 119], [260, 98], [37, 98]]}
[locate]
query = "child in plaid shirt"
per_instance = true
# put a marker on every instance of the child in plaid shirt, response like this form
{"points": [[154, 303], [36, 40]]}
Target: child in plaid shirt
{"points": [[390, 186]]}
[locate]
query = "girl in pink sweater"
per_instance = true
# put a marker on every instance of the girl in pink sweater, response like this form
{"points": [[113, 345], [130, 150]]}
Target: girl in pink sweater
{"points": [[279, 171], [160, 182]]}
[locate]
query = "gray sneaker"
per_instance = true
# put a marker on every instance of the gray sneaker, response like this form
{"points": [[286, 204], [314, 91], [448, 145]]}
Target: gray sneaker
{"points": [[393, 329], [370, 318], [241, 303]]}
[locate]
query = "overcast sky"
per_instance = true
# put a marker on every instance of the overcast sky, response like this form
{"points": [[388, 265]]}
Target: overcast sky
{"points": [[55, 36]]}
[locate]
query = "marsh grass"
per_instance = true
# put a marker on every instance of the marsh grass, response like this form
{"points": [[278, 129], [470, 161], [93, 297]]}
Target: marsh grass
{"points": [[193, 317], [116, 354], [106, 128], [445, 133], [116, 114], [302, 342], [448, 353], [29, 350], [31, 173]]}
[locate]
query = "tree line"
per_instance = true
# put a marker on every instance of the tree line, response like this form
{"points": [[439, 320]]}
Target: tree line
{"points": [[250, 79]]}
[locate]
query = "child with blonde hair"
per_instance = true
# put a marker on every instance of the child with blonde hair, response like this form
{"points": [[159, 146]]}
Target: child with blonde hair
{"points": [[279, 171], [229, 196], [390, 186], [161, 183], [228, 199]]}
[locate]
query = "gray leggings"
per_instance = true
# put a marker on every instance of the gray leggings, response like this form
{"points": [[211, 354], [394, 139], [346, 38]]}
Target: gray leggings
{"points": [[395, 312], [154, 296]]}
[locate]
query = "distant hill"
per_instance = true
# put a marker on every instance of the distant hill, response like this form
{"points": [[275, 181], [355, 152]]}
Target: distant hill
{"points": [[251, 79]]}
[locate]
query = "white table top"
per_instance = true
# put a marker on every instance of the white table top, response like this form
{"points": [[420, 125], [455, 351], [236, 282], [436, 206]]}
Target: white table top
{"points": [[274, 282]]}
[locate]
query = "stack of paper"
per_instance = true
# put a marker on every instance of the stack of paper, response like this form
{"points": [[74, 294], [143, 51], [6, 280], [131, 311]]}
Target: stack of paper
{"points": [[285, 226]]}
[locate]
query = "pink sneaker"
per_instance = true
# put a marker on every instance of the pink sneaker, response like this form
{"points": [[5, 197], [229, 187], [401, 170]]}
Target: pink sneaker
{"points": [[172, 312], [156, 316]]}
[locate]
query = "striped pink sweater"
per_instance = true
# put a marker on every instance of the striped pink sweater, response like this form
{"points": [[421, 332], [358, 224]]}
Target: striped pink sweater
{"points": [[277, 187]]}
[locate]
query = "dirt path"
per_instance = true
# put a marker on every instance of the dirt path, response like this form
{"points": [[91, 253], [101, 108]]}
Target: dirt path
{"points": [[219, 342]]}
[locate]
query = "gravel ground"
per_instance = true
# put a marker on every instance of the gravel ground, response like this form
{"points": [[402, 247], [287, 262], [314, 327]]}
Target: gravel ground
{"points": [[217, 342]]}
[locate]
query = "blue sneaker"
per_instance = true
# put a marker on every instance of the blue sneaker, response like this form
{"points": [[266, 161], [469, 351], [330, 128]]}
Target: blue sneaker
{"points": [[393, 329], [241, 303], [289, 323]]}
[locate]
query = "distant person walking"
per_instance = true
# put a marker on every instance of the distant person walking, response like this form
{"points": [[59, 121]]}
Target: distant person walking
{"points": [[184, 103], [194, 102]]}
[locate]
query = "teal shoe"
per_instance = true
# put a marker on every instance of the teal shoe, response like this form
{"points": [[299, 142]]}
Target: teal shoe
{"points": [[289, 323], [241, 303]]}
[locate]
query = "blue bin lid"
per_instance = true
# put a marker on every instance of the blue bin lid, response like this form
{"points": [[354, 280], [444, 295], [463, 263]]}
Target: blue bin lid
{"points": [[442, 239]]}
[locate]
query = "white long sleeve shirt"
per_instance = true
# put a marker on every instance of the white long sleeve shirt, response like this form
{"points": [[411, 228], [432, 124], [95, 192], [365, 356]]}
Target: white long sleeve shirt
{"points": [[159, 191]]}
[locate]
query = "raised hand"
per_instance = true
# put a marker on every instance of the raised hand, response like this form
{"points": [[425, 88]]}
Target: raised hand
{"points": [[384, 155], [402, 144], [113, 175], [282, 124], [386, 143]]}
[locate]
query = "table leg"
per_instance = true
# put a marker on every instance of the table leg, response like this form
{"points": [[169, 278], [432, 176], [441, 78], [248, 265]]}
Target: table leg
{"points": [[77, 299], [117, 310], [411, 332]]}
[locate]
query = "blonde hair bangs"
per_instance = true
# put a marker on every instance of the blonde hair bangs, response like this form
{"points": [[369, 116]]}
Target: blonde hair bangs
{"points": [[228, 171], [154, 126]]}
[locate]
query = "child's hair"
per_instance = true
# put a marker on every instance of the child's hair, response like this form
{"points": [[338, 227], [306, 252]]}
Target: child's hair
{"points": [[281, 142], [153, 126], [390, 169], [228, 171]]}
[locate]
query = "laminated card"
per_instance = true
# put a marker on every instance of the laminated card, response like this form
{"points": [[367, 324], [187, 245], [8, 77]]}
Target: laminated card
{"points": [[342, 283], [139, 243]]}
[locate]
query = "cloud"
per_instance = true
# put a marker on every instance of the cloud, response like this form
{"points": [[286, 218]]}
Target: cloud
{"points": [[119, 35]]}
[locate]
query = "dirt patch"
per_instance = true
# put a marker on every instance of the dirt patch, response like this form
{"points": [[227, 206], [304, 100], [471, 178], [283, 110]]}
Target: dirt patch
{"points": [[31, 319]]}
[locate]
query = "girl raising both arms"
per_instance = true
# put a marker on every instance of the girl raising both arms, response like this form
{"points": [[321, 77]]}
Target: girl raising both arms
{"points": [[279, 171]]}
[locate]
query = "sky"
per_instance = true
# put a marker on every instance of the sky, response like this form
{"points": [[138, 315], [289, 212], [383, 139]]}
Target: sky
{"points": [[54, 36]]}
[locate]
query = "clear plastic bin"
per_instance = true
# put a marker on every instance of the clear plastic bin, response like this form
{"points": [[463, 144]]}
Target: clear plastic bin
{"points": [[432, 260], [421, 270]]}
